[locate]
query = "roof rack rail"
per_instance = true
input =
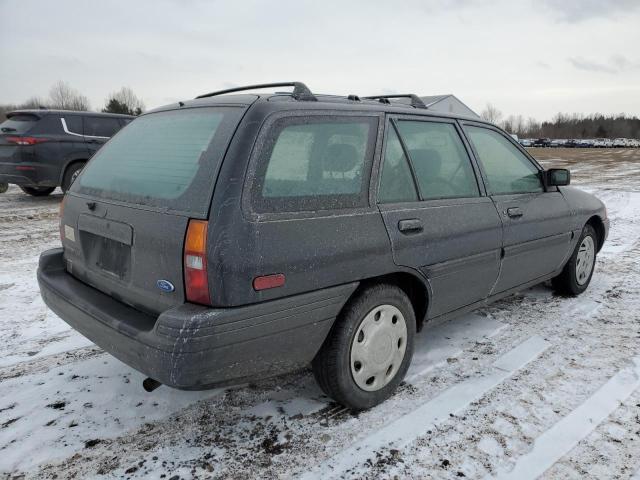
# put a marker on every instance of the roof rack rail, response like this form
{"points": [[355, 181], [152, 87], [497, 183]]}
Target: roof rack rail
{"points": [[415, 100], [300, 90]]}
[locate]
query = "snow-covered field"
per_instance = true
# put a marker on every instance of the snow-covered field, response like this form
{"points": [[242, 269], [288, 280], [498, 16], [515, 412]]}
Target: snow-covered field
{"points": [[532, 385]]}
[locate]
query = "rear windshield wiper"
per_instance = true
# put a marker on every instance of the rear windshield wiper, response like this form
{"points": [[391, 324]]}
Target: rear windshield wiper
{"points": [[8, 129]]}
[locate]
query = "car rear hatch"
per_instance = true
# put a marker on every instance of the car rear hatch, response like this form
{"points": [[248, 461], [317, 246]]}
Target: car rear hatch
{"points": [[125, 218], [14, 135]]}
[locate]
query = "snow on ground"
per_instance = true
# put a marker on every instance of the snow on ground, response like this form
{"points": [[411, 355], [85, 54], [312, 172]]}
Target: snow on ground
{"points": [[535, 384]]}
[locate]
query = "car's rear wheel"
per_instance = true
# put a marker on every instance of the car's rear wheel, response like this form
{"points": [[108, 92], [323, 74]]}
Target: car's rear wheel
{"points": [[577, 273], [71, 174], [369, 348], [38, 191], [4, 187]]}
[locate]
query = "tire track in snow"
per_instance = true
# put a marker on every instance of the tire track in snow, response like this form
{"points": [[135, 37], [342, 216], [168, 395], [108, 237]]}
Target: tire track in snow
{"points": [[565, 434], [407, 428]]}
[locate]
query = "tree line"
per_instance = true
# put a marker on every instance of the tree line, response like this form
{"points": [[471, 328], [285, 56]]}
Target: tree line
{"points": [[567, 126], [63, 96]]}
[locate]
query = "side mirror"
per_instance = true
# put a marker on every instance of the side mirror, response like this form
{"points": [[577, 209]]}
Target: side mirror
{"points": [[557, 177]]}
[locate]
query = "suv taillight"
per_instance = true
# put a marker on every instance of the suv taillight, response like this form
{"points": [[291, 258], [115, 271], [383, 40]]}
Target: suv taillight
{"points": [[195, 263], [26, 140]]}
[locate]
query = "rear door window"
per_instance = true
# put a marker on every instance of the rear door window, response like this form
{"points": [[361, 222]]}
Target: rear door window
{"points": [[441, 164], [19, 123], [311, 163], [101, 126], [396, 182], [165, 159]]}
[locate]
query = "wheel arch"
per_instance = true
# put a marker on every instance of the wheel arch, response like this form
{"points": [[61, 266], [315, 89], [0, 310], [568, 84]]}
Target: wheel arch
{"points": [[68, 165], [414, 286], [598, 225]]}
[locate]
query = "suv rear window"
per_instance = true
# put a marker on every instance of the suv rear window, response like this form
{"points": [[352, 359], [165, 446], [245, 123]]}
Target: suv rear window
{"points": [[19, 123], [165, 159], [311, 163]]}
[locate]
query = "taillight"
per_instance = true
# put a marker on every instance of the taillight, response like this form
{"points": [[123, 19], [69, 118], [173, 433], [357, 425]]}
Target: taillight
{"points": [[195, 263], [26, 140]]}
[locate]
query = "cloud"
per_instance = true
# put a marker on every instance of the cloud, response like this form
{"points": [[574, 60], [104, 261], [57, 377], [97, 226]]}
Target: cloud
{"points": [[616, 64], [574, 11]]}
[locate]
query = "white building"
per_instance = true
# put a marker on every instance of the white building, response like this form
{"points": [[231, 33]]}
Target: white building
{"points": [[448, 104]]}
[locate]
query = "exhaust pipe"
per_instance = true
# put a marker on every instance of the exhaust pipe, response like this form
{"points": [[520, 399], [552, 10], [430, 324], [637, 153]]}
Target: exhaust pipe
{"points": [[149, 384]]}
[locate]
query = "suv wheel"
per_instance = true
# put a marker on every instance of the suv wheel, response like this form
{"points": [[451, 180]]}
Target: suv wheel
{"points": [[38, 191], [71, 174], [369, 348], [577, 273]]}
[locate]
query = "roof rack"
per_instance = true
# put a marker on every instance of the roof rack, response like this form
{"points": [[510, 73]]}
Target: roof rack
{"points": [[415, 100], [300, 90]]}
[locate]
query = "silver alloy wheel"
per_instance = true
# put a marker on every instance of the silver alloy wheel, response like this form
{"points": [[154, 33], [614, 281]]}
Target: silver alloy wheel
{"points": [[378, 347], [585, 259]]}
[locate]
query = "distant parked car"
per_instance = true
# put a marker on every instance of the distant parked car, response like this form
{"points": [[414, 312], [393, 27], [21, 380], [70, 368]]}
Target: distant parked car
{"points": [[43, 149], [212, 241], [620, 142], [558, 142], [542, 142], [571, 143], [526, 142]]}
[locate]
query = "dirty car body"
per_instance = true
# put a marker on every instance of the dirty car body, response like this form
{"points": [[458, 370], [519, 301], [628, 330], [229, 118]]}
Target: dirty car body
{"points": [[298, 203]]}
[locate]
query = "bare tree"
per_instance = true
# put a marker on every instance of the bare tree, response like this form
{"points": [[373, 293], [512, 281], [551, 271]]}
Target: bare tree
{"points": [[491, 114], [63, 96], [34, 102], [124, 101]]}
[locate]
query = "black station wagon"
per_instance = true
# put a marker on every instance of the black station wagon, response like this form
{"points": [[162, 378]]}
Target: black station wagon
{"points": [[232, 237]]}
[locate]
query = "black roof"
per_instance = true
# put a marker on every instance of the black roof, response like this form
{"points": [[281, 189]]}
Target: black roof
{"points": [[41, 112]]}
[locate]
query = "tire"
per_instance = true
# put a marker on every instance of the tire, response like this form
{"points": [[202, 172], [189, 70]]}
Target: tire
{"points": [[577, 273], [336, 368], [37, 191], [4, 187], [70, 175]]}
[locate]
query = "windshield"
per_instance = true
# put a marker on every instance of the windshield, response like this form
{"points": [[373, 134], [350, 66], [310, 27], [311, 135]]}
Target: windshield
{"points": [[19, 123], [165, 159]]}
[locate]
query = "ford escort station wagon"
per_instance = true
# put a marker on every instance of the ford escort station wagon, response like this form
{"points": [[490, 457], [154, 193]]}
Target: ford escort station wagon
{"points": [[240, 235]]}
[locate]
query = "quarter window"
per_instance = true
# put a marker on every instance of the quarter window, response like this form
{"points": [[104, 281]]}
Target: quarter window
{"points": [[101, 127], [440, 162], [315, 163], [73, 123], [507, 169]]}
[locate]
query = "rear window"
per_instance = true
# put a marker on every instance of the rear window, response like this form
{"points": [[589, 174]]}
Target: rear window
{"points": [[166, 160], [19, 123], [311, 163]]}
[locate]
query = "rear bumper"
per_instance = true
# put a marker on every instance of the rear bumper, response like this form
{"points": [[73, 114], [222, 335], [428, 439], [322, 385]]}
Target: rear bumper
{"points": [[190, 346], [29, 174]]}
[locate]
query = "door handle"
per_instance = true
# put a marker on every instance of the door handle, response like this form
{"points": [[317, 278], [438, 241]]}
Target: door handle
{"points": [[514, 212], [412, 225]]}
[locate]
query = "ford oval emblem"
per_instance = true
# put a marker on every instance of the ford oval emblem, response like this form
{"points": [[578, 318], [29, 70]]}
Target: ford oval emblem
{"points": [[165, 285]]}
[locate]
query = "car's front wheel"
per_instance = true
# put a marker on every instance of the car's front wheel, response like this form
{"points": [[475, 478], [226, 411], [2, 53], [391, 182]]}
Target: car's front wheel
{"points": [[577, 273], [369, 348], [38, 191]]}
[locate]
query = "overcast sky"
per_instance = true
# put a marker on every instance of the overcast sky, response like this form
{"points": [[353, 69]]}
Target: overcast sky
{"points": [[527, 57]]}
